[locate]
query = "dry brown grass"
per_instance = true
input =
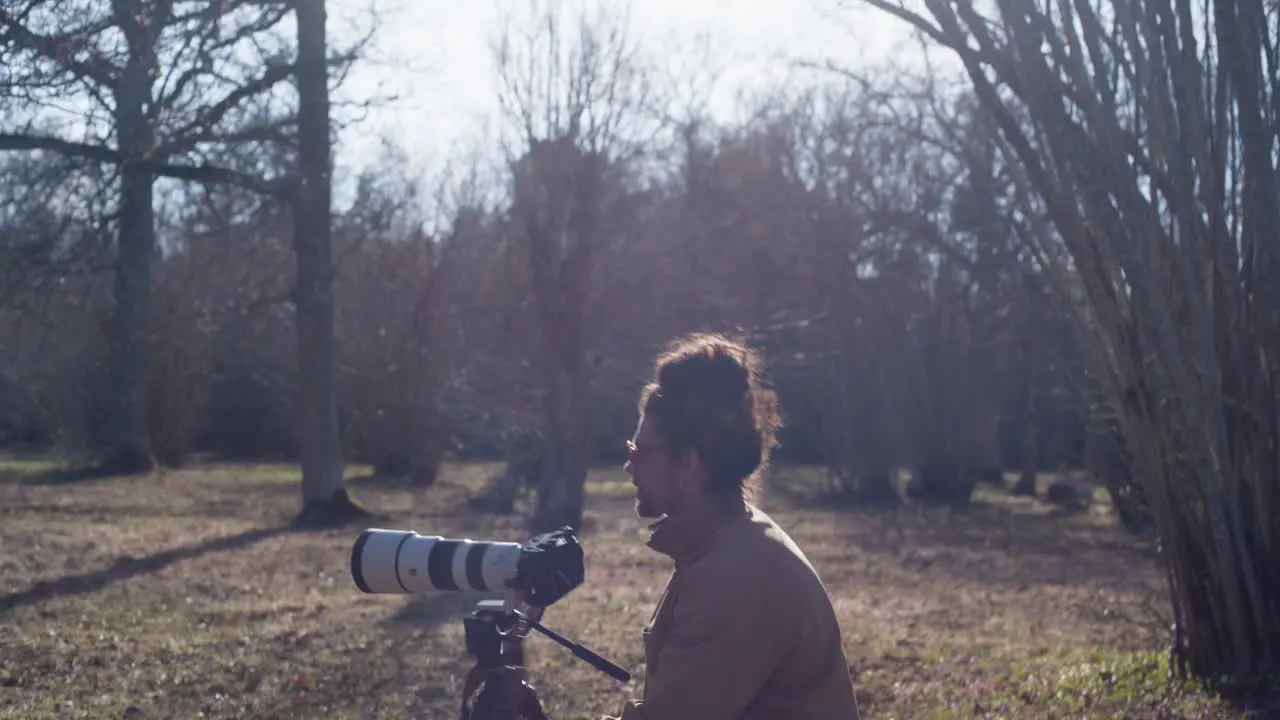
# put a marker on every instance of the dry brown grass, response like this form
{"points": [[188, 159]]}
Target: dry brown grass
{"points": [[182, 595]]}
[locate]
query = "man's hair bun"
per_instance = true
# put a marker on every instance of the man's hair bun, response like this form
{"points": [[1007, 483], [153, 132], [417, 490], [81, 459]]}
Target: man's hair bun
{"points": [[708, 394]]}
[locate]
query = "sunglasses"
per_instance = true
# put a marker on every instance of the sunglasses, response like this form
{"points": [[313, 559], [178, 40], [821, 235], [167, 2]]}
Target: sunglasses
{"points": [[635, 452]]}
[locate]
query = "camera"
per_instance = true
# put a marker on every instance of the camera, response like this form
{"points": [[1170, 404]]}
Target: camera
{"points": [[541, 571], [534, 575]]}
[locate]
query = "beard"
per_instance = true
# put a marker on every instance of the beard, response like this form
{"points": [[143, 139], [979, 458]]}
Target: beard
{"points": [[647, 508]]}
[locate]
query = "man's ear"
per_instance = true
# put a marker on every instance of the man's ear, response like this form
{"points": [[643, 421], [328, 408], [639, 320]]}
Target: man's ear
{"points": [[691, 471]]}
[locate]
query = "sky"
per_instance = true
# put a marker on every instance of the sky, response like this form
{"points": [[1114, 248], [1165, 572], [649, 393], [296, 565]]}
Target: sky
{"points": [[436, 54]]}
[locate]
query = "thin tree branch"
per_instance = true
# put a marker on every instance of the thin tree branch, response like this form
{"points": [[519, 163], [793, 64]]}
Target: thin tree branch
{"points": [[280, 188], [60, 51]]}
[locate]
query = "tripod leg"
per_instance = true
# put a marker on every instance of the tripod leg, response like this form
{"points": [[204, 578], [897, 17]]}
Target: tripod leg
{"points": [[504, 695], [530, 705]]}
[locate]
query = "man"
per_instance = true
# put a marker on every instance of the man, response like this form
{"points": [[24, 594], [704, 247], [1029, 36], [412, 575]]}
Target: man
{"points": [[745, 628]]}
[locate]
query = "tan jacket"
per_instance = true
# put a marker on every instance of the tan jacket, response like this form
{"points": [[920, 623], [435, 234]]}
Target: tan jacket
{"points": [[745, 629]]}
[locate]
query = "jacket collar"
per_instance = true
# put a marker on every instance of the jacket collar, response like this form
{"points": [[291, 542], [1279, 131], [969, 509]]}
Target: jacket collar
{"points": [[687, 536]]}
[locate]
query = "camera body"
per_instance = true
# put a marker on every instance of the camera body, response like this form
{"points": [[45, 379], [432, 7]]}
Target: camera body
{"points": [[550, 566]]}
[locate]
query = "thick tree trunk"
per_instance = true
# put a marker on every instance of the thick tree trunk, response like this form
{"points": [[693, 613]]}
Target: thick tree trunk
{"points": [[562, 486], [128, 447], [324, 500], [1025, 427], [1030, 466], [579, 450], [1028, 440], [561, 275], [1106, 459]]}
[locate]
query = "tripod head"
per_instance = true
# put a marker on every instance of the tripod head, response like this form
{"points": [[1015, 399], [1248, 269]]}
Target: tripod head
{"points": [[495, 636]]}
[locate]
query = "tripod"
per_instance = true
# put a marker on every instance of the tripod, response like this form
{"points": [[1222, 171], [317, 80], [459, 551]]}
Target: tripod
{"points": [[495, 638]]}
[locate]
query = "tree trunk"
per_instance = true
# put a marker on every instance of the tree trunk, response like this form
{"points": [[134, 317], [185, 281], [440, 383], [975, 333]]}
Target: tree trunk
{"points": [[128, 444], [427, 443], [562, 486], [561, 256], [324, 500], [1028, 438], [1030, 451], [1106, 459], [1024, 420], [579, 450]]}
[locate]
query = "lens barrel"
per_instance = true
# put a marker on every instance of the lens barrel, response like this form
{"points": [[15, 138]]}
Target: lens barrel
{"points": [[402, 561]]}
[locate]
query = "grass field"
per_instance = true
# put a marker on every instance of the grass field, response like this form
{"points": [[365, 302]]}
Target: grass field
{"points": [[184, 595]]}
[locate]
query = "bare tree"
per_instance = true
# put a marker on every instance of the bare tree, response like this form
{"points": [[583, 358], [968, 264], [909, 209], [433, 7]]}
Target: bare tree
{"points": [[569, 85], [171, 87], [908, 323], [55, 253], [390, 318], [54, 222], [1143, 132], [153, 76]]}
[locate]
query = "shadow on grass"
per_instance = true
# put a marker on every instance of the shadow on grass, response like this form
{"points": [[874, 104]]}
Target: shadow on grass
{"points": [[431, 610], [391, 662], [997, 546], [263, 504], [986, 525], [986, 541], [72, 475], [126, 568], [977, 524]]}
